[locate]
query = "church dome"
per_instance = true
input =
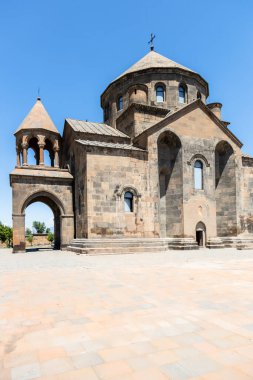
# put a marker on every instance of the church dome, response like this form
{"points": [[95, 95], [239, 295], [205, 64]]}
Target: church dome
{"points": [[153, 60], [154, 81]]}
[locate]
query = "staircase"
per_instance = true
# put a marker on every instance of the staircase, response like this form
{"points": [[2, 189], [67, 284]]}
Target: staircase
{"points": [[131, 245]]}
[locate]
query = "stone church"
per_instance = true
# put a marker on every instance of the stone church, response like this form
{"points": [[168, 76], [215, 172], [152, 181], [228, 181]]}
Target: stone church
{"points": [[162, 171]]}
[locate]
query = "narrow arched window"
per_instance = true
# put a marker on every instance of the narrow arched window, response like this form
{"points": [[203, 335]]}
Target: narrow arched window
{"points": [[160, 94], [128, 201], [120, 103], [106, 112], [198, 175], [182, 94], [198, 95]]}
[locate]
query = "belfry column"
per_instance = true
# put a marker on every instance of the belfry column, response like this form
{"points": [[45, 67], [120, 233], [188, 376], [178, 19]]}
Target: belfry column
{"points": [[41, 158], [56, 157], [18, 156], [24, 153]]}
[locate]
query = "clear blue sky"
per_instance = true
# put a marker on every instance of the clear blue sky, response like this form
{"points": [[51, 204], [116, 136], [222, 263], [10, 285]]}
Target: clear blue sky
{"points": [[73, 49]]}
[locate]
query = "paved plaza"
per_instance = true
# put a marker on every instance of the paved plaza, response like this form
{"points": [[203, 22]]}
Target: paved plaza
{"points": [[176, 315]]}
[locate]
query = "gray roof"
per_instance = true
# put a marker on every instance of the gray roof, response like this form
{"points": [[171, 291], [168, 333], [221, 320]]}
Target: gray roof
{"points": [[109, 145], [153, 60], [38, 118], [94, 128]]}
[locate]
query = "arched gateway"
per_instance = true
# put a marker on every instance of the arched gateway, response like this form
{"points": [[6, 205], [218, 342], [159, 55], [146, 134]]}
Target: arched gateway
{"points": [[51, 185]]}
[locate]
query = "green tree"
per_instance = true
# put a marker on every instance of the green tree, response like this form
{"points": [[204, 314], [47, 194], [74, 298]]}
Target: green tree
{"points": [[40, 227], [28, 232], [50, 237], [29, 238], [48, 230], [6, 234]]}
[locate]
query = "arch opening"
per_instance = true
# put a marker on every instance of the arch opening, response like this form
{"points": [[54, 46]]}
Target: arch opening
{"points": [[48, 153], [56, 211], [33, 152], [170, 184]]}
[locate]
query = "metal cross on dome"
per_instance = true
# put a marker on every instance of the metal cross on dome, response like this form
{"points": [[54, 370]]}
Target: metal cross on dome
{"points": [[152, 37]]}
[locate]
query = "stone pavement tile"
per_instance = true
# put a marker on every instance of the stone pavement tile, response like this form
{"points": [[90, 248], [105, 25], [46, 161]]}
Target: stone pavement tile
{"points": [[140, 362], [16, 359], [115, 369], [246, 368], [246, 351], [140, 348], [116, 353], [87, 359], [51, 353], [26, 372], [55, 366], [79, 374], [5, 374], [227, 374], [229, 358], [163, 357], [165, 343], [175, 371], [149, 374]]}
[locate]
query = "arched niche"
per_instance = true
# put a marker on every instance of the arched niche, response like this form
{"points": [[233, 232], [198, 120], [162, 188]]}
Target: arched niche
{"points": [[138, 94], [225, 189], [169, 150]]}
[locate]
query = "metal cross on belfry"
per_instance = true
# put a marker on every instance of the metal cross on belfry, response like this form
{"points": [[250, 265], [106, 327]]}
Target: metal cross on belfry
{"points": [[151, 41]]}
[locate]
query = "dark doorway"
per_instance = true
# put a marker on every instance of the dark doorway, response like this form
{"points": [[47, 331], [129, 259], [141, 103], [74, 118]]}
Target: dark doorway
{"points": [[199, 238], [201, 234]]}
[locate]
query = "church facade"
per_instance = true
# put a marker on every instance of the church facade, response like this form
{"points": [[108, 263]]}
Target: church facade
{"points": [[162, 171]]}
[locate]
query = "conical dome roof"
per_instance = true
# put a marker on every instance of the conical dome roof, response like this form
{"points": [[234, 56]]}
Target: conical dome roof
{"points": [[38, 118], [153, 60]]}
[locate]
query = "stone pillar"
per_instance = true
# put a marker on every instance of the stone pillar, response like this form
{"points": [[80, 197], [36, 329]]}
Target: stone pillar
{"points": [[67, 230], [56, 157], [41, 158], [18, 156], [24, 154], [18, 232]]}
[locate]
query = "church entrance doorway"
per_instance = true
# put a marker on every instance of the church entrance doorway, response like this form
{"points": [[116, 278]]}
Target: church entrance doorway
{"points": [[201, 234]]}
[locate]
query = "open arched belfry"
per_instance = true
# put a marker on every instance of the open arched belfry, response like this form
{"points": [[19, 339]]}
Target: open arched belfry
{"points": [[163, 170]]}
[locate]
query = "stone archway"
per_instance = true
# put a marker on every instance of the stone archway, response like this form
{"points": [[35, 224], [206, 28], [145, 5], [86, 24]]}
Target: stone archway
{"points": [[57, 208], [55, 205]]}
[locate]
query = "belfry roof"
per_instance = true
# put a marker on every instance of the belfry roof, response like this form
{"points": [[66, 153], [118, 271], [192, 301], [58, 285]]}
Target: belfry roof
{"points": [[153, 60], [38, 118]]}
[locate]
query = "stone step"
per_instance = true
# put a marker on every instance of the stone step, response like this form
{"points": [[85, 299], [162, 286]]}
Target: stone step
{"points": [[130, 245], [115, 250]]}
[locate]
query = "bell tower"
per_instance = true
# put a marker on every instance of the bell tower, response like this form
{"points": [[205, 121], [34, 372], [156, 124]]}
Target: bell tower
{"points": [[48, 183], [38, 133]]}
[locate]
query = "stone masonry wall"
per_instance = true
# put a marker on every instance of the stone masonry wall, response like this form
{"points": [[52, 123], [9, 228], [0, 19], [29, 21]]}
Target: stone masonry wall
{"points": [[110, 172]]}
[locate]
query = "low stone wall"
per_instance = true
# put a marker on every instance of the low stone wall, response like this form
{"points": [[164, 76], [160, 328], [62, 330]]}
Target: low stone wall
{"points": [[38, 240]]}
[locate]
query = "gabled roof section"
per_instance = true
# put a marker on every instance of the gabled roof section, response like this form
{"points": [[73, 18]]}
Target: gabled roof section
{"points": [[102, 144], [94, 128], [38, 118], [153, 60], [183, 111]]}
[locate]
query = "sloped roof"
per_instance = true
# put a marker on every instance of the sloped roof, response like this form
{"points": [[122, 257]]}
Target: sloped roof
{"points": [[109, 145], [182, 111], [153, 60], [38, 118], [94, 128]]}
